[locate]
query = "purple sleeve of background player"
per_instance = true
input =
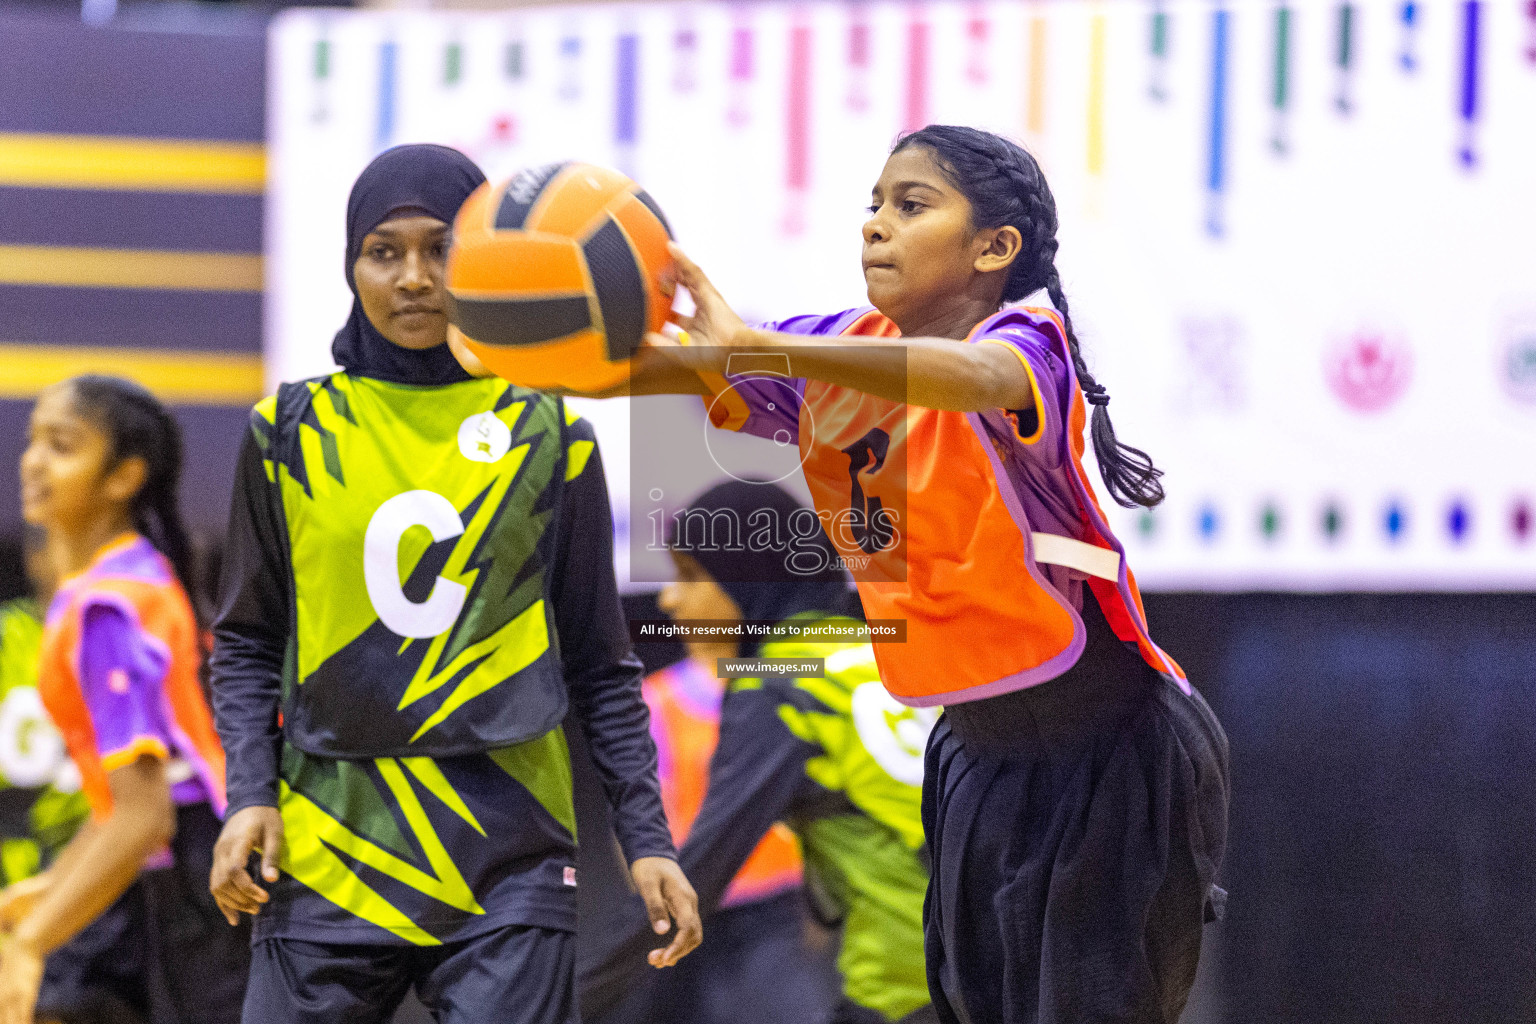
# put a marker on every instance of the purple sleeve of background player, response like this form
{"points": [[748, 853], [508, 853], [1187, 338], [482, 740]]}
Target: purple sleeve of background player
{"points": [[122, 672]]}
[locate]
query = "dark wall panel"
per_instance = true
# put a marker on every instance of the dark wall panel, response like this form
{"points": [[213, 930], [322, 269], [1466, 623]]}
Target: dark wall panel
{"points": [[1383, 841], [132, 318], [131, 220], [123, 82]]}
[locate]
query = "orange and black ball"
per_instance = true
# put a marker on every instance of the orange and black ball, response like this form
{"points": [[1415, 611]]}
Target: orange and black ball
{"points": [[555, 276]]}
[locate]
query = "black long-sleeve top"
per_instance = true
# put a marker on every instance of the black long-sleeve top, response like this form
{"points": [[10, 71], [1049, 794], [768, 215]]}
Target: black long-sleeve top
{"points": [[252, 633]]}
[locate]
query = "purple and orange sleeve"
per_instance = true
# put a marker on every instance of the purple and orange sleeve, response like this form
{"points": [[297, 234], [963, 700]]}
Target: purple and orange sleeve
{"points": [[763, 399], [122, 674], [764, 405]]}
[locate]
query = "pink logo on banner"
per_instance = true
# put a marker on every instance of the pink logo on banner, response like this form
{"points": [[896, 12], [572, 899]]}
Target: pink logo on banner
{"points": [[858, 60], [1370, 371], [916, 114], [797, 157], [977, 30], [739, 112], [685, 56]]}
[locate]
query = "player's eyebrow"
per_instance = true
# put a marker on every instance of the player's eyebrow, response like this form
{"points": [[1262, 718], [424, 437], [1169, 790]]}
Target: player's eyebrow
{"points": [[388, 232], [907, 186]]}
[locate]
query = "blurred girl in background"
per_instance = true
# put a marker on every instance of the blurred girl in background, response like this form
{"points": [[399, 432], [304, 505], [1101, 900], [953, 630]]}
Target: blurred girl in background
{"points": [[41, 805], [121, 926]]}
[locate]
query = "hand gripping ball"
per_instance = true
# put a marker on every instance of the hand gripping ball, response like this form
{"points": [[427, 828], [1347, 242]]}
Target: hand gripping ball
{"points": [[554, 276]]}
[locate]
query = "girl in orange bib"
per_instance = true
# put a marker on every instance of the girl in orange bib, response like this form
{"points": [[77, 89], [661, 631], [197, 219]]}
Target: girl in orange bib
{"points": [[1075, 789], [123, 916]]}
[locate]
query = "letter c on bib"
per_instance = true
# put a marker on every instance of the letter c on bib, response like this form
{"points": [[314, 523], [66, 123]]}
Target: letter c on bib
{"points": [[381, 564]]}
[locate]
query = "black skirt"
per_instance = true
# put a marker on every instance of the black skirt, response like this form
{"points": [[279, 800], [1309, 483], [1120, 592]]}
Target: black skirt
{"points": [[1076, 829], [162, 953]]}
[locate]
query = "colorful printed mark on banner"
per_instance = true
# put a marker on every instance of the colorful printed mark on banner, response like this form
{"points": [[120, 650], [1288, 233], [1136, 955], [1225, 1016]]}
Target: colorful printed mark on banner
{"points": [[1097, 47], [384, 126], [797, 125], [1520, 520], [1034, 117], [978, 31], [1333, 521], [570, 68], [1344, 61], [1208, 522], [320, 69], [1394, 521], [1370, 371], [1458, 521], [1216, 163], [1470, 52], [1408, 52], [1214, 375], [739, 112], [685, 58], [1157, 86], [1280, 95], [916, 110], [1270, 521], [626, 117], [1518, 364], [859, 57], [1530, 32]]}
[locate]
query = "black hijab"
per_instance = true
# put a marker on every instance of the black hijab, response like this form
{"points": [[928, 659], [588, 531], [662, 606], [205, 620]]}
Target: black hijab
{"points": [[426, 179], [762, 583]]}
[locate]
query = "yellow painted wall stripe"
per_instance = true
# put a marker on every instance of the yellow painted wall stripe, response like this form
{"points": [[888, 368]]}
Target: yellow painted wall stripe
{"points": [[198, 378], [79, 267], [130, 164]]}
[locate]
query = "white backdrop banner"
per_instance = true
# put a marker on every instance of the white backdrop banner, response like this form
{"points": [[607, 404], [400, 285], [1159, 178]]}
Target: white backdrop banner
{"points": [[1297, 238]]}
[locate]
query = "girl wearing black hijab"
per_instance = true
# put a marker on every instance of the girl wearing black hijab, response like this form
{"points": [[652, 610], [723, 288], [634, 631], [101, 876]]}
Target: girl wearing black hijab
{"points": [[824, 749], [418, 583]]}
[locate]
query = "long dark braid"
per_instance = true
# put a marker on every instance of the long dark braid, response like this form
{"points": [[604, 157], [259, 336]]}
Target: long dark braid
{"points": [[1005, 186], [138, 425]]}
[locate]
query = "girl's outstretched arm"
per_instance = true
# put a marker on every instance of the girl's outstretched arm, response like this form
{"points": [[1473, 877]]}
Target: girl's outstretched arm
{"points": [[655, 370], [936, 373]]}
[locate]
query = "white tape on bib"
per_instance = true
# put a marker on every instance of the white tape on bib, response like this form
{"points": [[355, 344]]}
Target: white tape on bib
{"points": [[1074, 554]]}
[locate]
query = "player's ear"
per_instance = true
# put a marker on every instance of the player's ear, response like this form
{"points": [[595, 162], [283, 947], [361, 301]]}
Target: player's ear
{"points": [[999, 248], [126, 479]]}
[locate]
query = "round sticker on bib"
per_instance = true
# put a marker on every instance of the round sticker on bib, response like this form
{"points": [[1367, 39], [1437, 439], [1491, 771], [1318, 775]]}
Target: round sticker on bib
{"points": [[484, 438]]}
